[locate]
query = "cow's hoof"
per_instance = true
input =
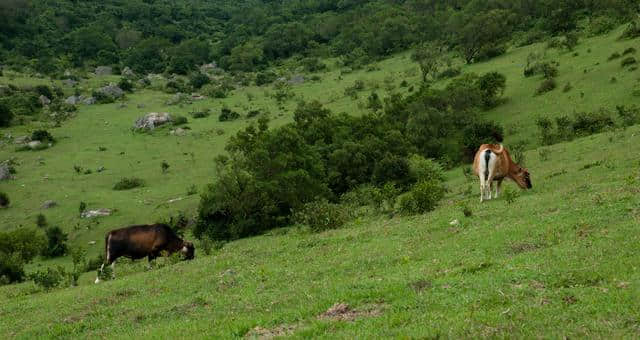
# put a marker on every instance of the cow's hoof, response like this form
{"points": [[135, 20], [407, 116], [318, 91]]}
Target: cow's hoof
{"points": [[97, 280]]}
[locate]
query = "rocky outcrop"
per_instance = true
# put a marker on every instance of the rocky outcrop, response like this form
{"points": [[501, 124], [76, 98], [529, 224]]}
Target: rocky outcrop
{"points": [[111, 90], [103, 71], [151, 120]]}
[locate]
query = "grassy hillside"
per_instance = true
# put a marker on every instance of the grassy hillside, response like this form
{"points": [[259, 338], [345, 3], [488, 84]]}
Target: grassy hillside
{"points": [[560, 260]]}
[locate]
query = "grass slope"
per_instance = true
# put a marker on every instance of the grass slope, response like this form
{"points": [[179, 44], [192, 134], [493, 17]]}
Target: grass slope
{"points": [[561, 260]]}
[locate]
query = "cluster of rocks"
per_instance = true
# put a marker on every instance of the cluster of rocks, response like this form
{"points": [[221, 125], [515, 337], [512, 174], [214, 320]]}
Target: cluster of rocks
{"points": [[127, 72], [26, 141], [111, 90], [151, 120], [96, 213], [103, 71], [74, 100], [44, 100], [5, 171]]}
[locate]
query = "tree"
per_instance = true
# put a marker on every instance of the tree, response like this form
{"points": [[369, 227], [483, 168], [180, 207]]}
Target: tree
{"points": [[428, 56], [482, 32], [5, 115], [148, 55], [87, 42], [492, 86], [246, 57]]}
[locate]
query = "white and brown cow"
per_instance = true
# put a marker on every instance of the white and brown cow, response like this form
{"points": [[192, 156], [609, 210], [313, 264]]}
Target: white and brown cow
{"points": [[493, 163], [138, 241]]}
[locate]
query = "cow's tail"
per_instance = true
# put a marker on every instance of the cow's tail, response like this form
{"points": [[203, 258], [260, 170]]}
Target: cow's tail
{"points": [[487, 157]]}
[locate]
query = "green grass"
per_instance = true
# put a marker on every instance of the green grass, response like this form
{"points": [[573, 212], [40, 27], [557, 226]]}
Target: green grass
{"points": [[561, 260]]}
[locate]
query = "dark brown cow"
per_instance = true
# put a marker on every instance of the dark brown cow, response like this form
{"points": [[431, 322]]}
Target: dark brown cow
{"points": [[138, 241]]}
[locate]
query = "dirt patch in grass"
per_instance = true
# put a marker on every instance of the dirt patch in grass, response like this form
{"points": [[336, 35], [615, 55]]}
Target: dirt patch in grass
{"points": [[264, 333], [421, 285], [523, 247], [344, 312]]}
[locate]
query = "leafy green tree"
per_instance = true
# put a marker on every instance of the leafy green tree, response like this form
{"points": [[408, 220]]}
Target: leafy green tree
{"points": [[87, 42], [481, 31], [428, 56], [148, 55], [492, 86]]}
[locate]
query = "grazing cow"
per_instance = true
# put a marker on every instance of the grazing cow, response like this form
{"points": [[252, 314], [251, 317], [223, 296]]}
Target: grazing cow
{"points": [[138, 241], [493, 163]]}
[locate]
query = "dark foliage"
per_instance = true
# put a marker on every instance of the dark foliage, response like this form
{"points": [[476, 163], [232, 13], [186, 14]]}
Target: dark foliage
{"points": [[56, 242], [43, 136], [227, 114], [128, 183], [5, 115]]}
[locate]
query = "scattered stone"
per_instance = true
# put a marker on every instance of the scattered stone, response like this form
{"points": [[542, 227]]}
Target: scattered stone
{"points": [[177, 99], [454, 223], [22, 140], [48, 204], [151, 120], [70, 82], [101, 169], [103, 71], [92, 243], [73, 100], [178, 132], [89, 101], [195, 96], [141, 106], [282, 79], [111, 90], [67, 73], [127, 72], [297, 79], [5, 172], [44, 100], [175, 200], [207, 68], [34, 144], [95, 213]]}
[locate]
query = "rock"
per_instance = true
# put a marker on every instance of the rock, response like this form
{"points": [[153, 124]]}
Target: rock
{"points": [[34, 144], [95, 213], [151, 120], [282, 79], [178, 132], [127, 72], [454, 223], [103, 71], [22, 140], [195, 96], [111, 90], [122, 105], [48, 204], [67, 73], [44, 100], [297, 79], [5, 172], [73, 100], [70, 82], [206, 68], [177, 99], [141, 106], [89, 101], [100, 169], [92, 243]]}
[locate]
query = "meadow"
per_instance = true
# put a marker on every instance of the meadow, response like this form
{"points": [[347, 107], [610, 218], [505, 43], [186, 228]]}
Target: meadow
{"points": [[558, 260]]}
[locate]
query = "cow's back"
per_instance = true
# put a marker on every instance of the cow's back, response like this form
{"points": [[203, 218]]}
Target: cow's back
{"points": [[139, 241]]}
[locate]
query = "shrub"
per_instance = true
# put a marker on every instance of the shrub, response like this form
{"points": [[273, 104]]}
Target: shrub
{"points": [[79, 259], [422, 169], [127, 183], [510, 195], [227, 115], [43, 90], [629, 116], [4, 200], [629, 50], [11, 268], [466, 211], [192, 190], [585, 124], [632, 30], [423, 197], [546, 86], [198, 80], [49, 278], [320, 215], [82, 208], [478, 133], [179, 120], [200, 114], [56, 242], [125, 85], [313, 64], [176, 86], [5, 115], [492, 86], [17, 248], [264, 78], [41, 221], [517, 150], [567, 87], [628, 61], [164, 166], [43, 136], [253, 113], [102, 98], [449, 73], [614, 56]]}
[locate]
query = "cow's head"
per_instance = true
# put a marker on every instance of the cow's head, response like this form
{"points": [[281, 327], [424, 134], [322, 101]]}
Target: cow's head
{"points": [[521, 176], [188, 250]]}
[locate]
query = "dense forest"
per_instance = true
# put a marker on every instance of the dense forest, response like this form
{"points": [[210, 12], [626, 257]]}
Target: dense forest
{"points": [[50, 36]]}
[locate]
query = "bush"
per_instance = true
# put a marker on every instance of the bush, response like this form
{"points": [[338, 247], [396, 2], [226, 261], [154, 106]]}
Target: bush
{"points": [[313, 64], [320, 215], [198, 80], [629, 50], [127, 183], [546, 86], [200, 114], [41, 221], [49, 278], [614, 56], [265, 78], [567, 87], [5, 115], [56, 242], [43, 90], [423, 197], [628, 61], [585, 124], [43, 136], [478, 133], [102, 98], [164, 167], [125, 85], [632, 30], [11, 268], [4, 200], [422, 169], [629, 116], [176, 86], [492, 86], [449, 73], [227, 115], [179, 120]]}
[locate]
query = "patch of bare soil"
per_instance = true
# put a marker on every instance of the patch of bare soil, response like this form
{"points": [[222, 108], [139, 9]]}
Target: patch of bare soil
{"points": [[264, 333], [343, 312]]}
